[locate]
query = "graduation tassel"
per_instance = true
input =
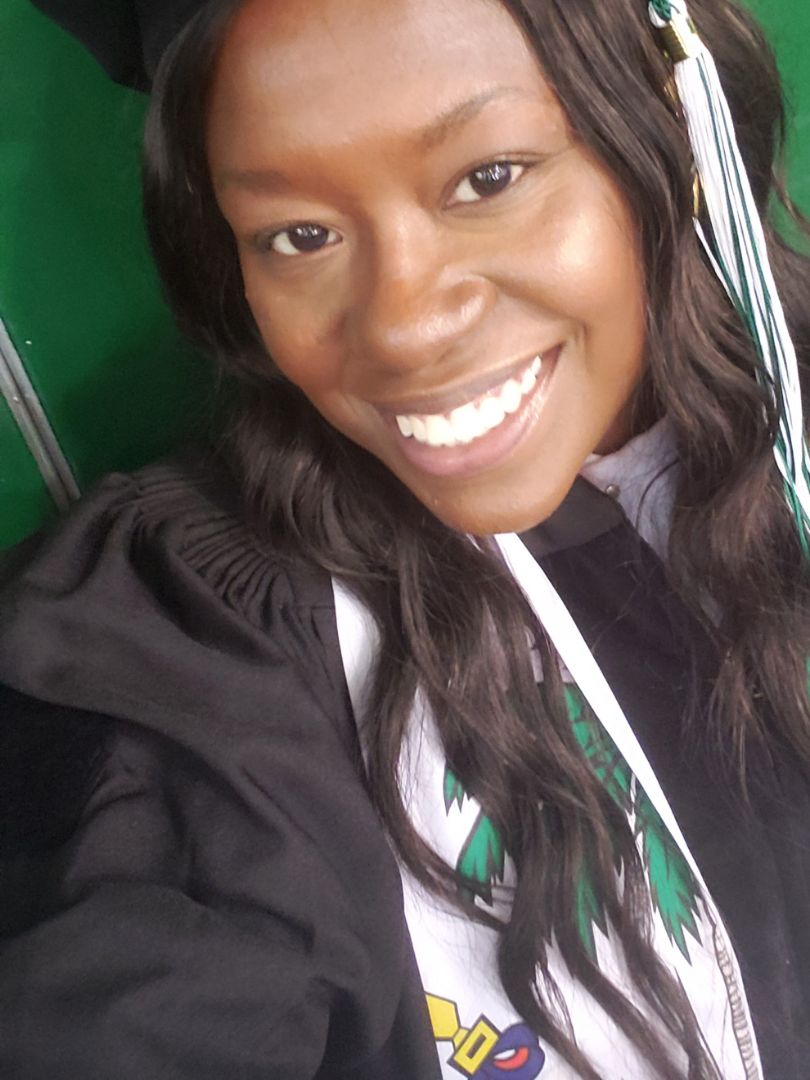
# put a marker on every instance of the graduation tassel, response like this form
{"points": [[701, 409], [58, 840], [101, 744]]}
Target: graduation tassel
{"points": [[736, 247]]}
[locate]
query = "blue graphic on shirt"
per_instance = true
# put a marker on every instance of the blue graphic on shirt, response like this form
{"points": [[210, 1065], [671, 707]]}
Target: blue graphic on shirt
{"points": [[516, 1054]]}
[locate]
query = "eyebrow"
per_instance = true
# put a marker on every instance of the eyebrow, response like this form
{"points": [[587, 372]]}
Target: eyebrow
{"points": [[428, 138], [259, 180], [438, 130]]}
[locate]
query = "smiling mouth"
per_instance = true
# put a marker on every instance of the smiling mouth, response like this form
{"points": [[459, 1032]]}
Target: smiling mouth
{"points": [[482, 432], [474, 419]]}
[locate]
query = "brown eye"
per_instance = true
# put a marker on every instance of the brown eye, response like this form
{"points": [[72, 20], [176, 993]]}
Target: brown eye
{"points": [[302, 239], [487, 180]]}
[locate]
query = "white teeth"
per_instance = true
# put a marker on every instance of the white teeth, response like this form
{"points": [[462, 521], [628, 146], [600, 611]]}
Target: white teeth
{"points": [[439, 431], [476, 418], [466, 423], [511, 396], [492, 413], [528, 381]]}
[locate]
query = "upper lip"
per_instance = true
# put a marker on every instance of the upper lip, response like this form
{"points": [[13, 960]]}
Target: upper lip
{"points": [[443, 401]]}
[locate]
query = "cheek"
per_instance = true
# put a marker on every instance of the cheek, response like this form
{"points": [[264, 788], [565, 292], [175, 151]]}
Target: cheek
{"points": [[579, 251], [595, 268], [293, 333]]}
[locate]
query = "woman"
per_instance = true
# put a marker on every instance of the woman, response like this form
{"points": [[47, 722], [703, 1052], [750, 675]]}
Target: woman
{"points": [[298, 754]]}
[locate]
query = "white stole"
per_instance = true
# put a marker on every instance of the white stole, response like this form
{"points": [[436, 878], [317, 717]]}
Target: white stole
{"points": [[477, 1031]]}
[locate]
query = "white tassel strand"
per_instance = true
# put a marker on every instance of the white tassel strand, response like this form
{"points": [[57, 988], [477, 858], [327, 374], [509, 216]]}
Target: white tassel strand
{"points": [[737, 248]]}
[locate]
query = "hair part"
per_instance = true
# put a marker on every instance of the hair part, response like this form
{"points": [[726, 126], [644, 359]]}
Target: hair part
{"points": [[318, 496]]}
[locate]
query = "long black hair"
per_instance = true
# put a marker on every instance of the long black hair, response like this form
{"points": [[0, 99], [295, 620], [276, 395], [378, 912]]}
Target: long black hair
{"points": [[316, 495]]}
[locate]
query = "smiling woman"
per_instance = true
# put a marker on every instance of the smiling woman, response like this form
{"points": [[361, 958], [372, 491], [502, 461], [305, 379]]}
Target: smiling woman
{"points": [[442, 241], [319, 768]]}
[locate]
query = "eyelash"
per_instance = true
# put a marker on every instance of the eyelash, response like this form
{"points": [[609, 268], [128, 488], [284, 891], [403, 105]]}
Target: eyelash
{"points": [[490, 166], [267, 243], [310, 227]]}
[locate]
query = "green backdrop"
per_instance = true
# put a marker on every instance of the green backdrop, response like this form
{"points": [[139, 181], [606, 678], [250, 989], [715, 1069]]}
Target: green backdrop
{"points": [[788, 25], [77, 293]]}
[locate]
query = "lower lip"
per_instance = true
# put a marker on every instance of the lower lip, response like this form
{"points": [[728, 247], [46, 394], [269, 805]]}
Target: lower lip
{"points": [[488, 450]]}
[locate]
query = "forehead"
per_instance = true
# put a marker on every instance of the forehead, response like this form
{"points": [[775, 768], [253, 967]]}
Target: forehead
{"points": [[313, 70]]}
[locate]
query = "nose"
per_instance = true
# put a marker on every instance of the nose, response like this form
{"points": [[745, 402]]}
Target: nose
{"points": [[420, 296]]}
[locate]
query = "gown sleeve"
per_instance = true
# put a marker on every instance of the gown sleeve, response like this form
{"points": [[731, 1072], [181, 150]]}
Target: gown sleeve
{"points": [[194, 884], [173, 929]]}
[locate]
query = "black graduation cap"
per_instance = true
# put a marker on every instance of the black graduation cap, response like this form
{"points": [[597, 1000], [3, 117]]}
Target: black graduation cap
{"points": [[127, 37]]}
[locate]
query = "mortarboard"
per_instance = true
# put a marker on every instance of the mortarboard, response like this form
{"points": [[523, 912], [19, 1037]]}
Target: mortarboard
{"points": [[127, 37]]}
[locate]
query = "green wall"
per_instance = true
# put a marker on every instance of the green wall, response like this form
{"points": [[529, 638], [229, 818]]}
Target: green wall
{"points": [[77, 292], [788, 25], [24, 499]]}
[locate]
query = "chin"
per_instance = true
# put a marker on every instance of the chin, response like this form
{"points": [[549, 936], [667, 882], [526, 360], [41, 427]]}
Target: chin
{"points": [[501, 515]]}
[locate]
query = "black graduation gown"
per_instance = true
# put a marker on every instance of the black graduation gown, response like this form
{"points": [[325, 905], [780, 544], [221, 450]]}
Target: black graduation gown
{"points": [[194, 883]]}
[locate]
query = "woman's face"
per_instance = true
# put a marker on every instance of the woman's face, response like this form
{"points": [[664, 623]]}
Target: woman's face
{"points": [[430, 255]]}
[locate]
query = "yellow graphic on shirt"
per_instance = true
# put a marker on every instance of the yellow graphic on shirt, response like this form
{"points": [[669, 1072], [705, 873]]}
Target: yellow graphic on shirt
{"points": [[482, 1051], [472, 1045]]}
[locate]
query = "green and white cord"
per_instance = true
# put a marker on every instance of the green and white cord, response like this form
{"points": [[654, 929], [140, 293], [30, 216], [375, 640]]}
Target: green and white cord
{"points": [[737, 247]]}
